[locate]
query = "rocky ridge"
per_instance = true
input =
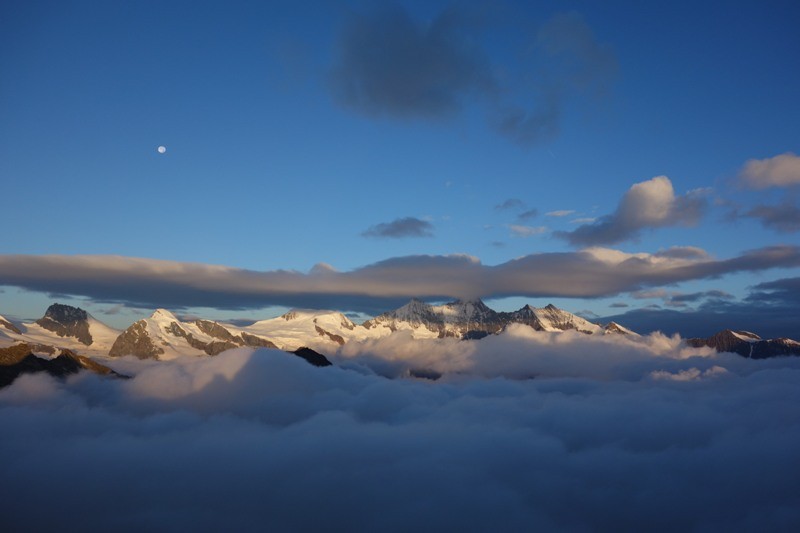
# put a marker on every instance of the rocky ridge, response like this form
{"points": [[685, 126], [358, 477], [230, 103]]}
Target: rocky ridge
{"points": [[747, 344]]}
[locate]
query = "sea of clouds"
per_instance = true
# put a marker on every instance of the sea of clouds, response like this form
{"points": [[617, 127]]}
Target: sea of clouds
{"points": [[523, 431]]}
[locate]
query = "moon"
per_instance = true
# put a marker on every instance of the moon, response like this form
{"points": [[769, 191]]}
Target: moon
{"points": [[161, 149]]}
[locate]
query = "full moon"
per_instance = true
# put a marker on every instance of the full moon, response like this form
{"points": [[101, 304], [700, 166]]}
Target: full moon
{"points": [[161, 149]]}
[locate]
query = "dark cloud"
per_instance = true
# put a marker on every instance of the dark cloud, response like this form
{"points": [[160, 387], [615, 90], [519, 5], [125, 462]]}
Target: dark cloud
{"points": [[784, 217], [568, 61], [608, 436], [683, 252], [648, 204], [703, 295], [529, 127], [390, 64], [401, 228], [619, 305], [527, 215], [770, 310], [781, 292], [511, 203], [148, 283], [764, 320]]}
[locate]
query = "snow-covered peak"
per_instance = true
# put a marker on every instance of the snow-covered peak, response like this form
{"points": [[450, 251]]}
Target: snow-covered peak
{"points": [[163, 316], [551, 318], [613, 327], [463, 310], [746, 336], [415, 309]]}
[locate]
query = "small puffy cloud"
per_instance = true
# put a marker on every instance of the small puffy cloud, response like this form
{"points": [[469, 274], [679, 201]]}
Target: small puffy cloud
{"points": [[779, 171], [322, 269], [561, 213], [784, 217], [527, 231], [401, 228], [648, 204]]}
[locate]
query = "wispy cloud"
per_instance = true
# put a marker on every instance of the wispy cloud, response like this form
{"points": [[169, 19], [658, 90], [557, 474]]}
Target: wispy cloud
{"points": [[510, 204], [648, 204], [779, 171], [401, 228], [527, 215], [784, 217], [149, 283], [527, 231], [561, 213], [577, 65]]}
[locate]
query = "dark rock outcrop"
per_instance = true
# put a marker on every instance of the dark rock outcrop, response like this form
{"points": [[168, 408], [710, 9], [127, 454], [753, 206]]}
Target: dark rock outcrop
{"points": [[213, 329], [315, 358], [256, 342], [747, 344], [19, 359], [67, 321], [338, 339], [136, 341]]}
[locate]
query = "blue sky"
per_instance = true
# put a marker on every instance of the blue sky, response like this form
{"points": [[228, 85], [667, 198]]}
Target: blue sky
{"points": [[272, 164]]}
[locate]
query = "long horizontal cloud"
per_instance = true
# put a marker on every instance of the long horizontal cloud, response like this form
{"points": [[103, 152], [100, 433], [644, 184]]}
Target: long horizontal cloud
{"points": [[648, 204], [593, 272]]}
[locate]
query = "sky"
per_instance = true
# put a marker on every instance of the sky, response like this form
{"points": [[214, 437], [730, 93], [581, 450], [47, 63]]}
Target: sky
{"points": [[617, 159]]}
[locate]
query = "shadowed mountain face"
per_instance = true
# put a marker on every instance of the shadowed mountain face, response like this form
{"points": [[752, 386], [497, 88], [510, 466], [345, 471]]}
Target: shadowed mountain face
{"points": [[19, 359], [747, 344], [9, 326], [67, 321]]}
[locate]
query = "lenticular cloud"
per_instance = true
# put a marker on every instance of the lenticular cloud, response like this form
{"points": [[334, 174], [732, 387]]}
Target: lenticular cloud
{"points": [[631, 434]]}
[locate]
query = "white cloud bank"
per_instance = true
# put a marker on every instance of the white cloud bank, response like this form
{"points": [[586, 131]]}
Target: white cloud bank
{"points": [[263, 441]]}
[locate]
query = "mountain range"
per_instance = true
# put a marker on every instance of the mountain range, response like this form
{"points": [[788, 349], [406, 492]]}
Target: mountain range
{"points": [[165, 336]]}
